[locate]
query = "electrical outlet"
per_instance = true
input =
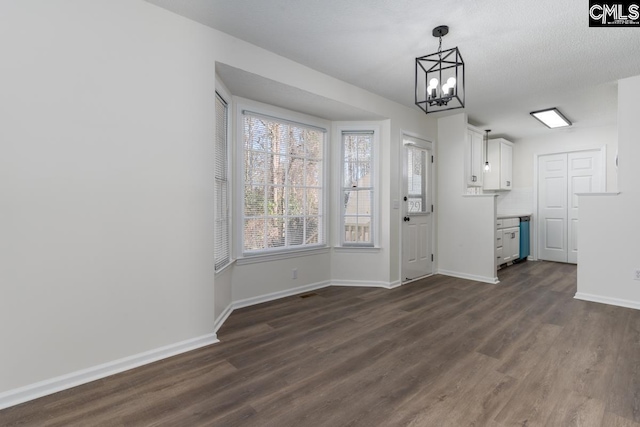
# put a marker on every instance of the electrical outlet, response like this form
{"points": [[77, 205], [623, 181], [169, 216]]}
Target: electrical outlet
{"points": [[636, 274], [294, 273]]}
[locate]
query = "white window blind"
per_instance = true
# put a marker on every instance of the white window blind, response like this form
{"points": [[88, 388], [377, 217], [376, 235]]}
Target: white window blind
{"points": [[221, 236], [283, 184], [357, 188]]}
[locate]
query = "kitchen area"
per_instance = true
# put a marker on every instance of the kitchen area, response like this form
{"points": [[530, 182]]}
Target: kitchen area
{"points": [[489, 171], [527, 199]]}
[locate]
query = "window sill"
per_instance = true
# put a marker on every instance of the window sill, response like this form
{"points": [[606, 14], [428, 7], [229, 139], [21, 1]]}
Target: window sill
{"points": [[357, 249], [252, 259], [229, 264]]}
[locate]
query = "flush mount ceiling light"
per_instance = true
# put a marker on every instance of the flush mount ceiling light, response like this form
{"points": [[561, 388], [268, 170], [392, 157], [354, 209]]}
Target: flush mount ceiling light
{"points": [[551, 118], [440, 78]]}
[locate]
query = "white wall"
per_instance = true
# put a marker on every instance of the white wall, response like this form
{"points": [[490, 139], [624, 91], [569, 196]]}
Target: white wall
{"points": [[609, 251], [255, 280], [466, 224], [106, 185]]}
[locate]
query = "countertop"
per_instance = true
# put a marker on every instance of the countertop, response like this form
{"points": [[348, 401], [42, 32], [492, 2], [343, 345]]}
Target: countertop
{"points": [[514, 215]]}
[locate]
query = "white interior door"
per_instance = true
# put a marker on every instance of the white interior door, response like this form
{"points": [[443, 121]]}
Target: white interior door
{"points": [[552, 207], [416, 225], [560, 177], [585, 176]]}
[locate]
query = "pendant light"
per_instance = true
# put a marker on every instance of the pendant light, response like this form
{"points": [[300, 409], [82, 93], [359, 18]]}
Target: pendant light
{"points": [[487, 165], [439, 83]]}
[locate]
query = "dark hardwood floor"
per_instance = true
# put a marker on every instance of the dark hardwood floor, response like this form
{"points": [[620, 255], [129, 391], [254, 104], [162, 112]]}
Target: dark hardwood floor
{"points": [[437, 352]]}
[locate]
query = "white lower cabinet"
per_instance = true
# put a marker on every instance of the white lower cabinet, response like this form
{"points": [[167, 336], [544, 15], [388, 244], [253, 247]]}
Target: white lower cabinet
{"points": [[507, 240], [510, 244]]}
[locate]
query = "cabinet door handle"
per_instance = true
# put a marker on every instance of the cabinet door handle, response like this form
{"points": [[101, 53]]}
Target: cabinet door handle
{"points": [[474, 178], [508, 183]]}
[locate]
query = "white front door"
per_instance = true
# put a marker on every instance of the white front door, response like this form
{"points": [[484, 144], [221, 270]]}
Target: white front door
{"points": [[560, 177], [416, 222]]}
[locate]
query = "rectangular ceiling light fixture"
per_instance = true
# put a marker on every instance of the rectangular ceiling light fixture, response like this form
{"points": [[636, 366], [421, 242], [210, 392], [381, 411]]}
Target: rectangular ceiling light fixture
{"points": [[551, 118]]}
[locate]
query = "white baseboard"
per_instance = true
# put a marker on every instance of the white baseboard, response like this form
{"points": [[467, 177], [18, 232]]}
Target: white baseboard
{"points": [[367, 284], [222, 318], [416, 279], [73, 379], [607, 300], [484, 279], [395, 284], [277, 295]]}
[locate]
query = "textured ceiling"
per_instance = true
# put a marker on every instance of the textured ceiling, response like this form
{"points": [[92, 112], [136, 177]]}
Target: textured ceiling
{"points": [[519, 55]]}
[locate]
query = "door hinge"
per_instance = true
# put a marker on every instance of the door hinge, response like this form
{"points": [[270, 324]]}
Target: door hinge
{"points": [[431, 208], [431, 257]]}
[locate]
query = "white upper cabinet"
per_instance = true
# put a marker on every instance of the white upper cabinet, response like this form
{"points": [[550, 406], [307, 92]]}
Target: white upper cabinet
{"points": [[473, 158], [500, 157]]}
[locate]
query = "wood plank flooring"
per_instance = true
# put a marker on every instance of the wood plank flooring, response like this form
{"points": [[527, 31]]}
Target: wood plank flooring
{"points": [[437, 352]]}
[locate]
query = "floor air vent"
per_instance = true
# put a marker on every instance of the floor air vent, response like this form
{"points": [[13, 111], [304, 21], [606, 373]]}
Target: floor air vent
{"points": [[312, 294]]}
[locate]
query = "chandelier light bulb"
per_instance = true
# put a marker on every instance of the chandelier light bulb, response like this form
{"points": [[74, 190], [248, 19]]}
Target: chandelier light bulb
{"points": [[451, 81], [433, 83], [445, 89]]}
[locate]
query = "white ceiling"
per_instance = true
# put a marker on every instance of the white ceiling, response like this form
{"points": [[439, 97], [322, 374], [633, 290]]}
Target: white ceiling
{"points": [[519, 55]]}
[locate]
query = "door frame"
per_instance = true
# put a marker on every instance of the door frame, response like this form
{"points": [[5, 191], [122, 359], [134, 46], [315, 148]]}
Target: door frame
{"points": [[429, 145], [536, 158]]}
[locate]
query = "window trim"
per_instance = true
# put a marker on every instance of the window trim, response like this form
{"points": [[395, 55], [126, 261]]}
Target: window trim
{"points": [[276, 113], [222, 92], [356, 127]]}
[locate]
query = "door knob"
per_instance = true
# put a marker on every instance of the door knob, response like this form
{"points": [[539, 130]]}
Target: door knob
{"points": [[406, 218]]}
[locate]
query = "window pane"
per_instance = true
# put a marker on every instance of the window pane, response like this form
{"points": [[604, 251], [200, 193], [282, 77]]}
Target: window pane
{"points": [[296, 173], [254, 233], [295, 230], [256, 135], [255, 167], [312, 234], [314, 144], [313, 201], [296, 202], [358, 187], [275, 201], [221, 200], [314, 173], [275, 232], [254, 200], [365, 201], [222, 247], [283, 184], [416, 179], [357, 229]]}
